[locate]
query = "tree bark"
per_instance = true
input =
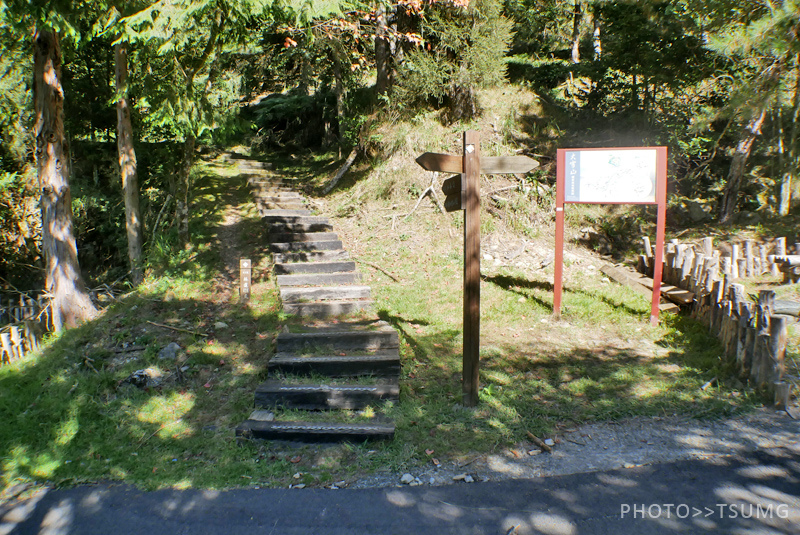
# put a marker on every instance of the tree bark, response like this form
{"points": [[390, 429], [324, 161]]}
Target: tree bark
{"points": [[734, 181], [182, 198], [597, 23], [127, 165], [338, 89], [577, 15], [383, 82], [70, 301], [790, 171], [766, 84]]}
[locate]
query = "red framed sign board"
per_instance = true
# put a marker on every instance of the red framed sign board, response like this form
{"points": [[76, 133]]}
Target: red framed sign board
{"points": [[620, 175]]}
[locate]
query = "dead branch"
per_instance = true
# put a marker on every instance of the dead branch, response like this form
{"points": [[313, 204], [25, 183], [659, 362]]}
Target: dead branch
{"points": [[340, 173], [375, 266], [430, 189], [177, 329], [539, 442]]}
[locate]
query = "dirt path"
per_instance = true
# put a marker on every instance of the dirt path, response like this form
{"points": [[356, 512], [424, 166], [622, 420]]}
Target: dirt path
{"points": [[229, 242]]}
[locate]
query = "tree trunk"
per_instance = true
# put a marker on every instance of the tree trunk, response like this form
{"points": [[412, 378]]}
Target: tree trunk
{"points": [[383, 82], [577, 15], [736, 172], [790, 171], [182, 199], [766, 83], [70, 301], [127, 165], [338, 89], [597, 24]]}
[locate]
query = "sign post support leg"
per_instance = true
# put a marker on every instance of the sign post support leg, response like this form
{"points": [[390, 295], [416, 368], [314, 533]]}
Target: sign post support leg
{"points": [[558, 263], [661, 202], [472, 269]]}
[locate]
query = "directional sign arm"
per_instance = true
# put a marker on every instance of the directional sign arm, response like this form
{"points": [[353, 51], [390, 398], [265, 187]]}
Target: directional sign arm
{"points": [[507, 164], [446, 163]]}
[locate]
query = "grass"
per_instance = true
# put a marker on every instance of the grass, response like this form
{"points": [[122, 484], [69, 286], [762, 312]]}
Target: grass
{"points": [[70, 418]]}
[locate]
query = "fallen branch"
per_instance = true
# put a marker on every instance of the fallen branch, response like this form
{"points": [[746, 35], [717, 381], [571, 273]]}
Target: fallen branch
{"points": [[375, 266], [177, 329], [539, 442], [340, 173]]}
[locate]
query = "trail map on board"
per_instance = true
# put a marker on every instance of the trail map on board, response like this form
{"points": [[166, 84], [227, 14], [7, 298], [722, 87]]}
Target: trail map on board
{"points": [[610, 176]]}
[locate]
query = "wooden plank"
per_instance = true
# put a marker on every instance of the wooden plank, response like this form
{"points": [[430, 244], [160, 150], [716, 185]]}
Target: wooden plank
{"points": [[673, 293], [314, 431], [635, 283], [313, 397]]}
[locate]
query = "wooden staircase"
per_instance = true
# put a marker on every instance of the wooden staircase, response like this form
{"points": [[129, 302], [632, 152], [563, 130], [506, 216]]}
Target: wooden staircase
{"points": [[334, 362]]}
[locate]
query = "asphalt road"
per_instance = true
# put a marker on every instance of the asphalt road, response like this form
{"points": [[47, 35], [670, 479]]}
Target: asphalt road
{"points": [[756, 495]]}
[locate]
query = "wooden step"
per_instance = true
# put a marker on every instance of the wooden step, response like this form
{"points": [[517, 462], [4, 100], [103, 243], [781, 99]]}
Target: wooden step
{"points": [[310, 256], [281, 205], [319, 279], [336, 293], [273, 181], [284, 237], [281, 197], [315, 431], [385, 363], [294, 247], [271, 219], [314, 267], [327, 309], [315, 397], [340, 340], [280, 227], [282, 213]]}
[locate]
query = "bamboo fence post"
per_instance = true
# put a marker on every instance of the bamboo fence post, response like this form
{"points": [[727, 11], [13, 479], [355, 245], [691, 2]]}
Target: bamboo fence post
{"points": [[8, 354], [708, 246], [778, 336], [16, 342], [686, 268], [735, 260], [782, 392], [748, 257], [648, 254], [778, 250], [759, 369]]}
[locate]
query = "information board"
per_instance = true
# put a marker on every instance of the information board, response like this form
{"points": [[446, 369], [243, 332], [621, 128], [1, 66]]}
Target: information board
{"points": [[610, 176], [622, 175]]}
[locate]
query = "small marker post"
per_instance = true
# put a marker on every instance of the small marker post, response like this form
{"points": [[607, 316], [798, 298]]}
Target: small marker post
{"points": [[245, 279]]}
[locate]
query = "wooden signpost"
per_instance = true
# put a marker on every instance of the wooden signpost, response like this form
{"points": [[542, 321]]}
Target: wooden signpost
{"points": [[463, 193]]}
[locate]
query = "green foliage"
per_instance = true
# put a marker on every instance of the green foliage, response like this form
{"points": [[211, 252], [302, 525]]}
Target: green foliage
{"points": [[462, 49]]}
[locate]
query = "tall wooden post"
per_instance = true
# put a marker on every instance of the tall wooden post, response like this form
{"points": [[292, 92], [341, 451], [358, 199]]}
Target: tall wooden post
{"points": [[472, 269]]}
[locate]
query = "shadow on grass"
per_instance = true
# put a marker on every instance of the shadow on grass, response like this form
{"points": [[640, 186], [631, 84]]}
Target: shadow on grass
{"points": [[525, 388], [517, 285], [71, 414]]}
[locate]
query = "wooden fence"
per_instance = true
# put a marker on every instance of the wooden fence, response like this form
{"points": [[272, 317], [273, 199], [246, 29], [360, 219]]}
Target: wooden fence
{"points": [[753, 336], [23, 321]]}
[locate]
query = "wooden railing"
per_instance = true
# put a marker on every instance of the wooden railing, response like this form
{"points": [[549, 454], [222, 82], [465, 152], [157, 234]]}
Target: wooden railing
{"points": [[23, 322], [754, 336]]}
